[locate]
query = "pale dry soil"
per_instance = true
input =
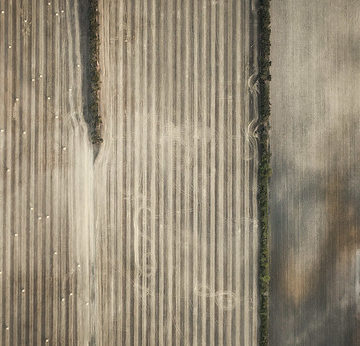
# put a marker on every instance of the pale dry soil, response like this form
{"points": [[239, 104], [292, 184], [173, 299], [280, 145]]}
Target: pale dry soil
{"points": [[314, 203], [176, 213], [46, 177], [154, 239]]}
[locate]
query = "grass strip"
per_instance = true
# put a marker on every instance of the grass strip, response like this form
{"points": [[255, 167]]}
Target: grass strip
{"points": [[264, 170], [94, 73]]}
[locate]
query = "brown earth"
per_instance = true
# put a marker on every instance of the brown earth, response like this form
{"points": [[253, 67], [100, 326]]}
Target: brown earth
{"points": [[177, 240], [156, 241], [314, 294]]}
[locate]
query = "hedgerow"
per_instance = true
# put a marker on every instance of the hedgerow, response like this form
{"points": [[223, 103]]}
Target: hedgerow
{"points": [[264, 170], [94, 72]]}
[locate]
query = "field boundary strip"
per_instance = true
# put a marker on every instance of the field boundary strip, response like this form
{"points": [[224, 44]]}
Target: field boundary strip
{"points": [[95, 120], [264, 170]]}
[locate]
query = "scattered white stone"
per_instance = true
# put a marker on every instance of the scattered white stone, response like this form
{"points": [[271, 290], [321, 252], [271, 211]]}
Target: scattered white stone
{"points": [[49, 98], [17, 99], [56, 117], [39, 217], [78, 265], [62, 299], [46, 340], [9, 46], [31, 208], [70, 294], [70, 89], [25, 20], [49, 3], [24, 132], [23, 290], [33, 79], [87, 303], [56, 14], [0, 272], [8, 170], [62, 11], [7, 328], [2, 12], [64, 148], [15, 234], [55, 253], [48, 216], [40, 76], [2, 130], [78, 65]]}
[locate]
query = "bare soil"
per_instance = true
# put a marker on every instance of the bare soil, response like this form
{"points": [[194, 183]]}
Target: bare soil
{"points": [[156, 240], [314, 190]]}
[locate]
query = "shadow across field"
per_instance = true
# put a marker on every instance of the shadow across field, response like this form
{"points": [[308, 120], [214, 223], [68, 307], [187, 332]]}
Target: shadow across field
{"points": [[313, 281]]}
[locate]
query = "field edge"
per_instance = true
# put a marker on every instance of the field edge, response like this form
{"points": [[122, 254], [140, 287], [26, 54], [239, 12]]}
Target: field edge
{"points": [[264, 170], [93, 71]]}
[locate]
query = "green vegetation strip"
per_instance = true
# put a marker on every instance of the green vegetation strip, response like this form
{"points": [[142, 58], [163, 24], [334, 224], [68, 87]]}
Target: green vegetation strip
{"points": [[94, 72], [264, 167]]}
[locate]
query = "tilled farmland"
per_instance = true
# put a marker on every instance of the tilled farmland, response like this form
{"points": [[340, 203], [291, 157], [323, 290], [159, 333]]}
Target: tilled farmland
{"points": [[176, 210], [148, 196], [152, 236], [46, 177], [314, 203]]}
